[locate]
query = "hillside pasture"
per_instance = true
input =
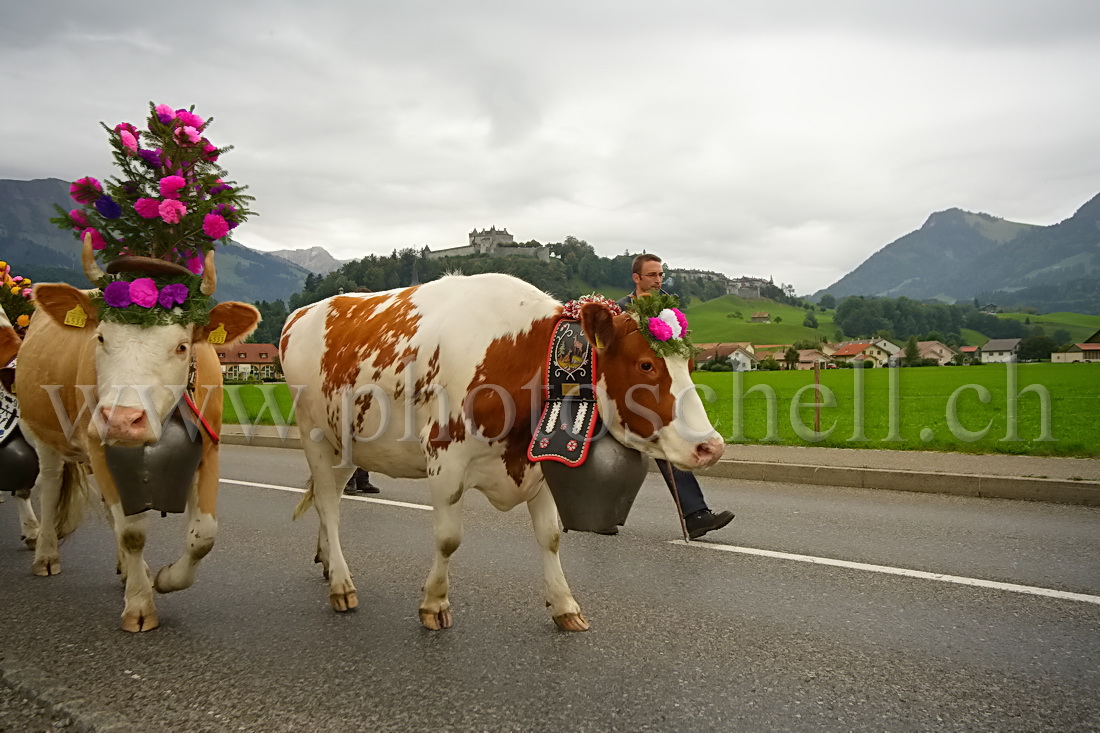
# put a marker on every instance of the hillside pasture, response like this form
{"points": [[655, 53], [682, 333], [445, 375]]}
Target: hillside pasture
{"points": [[711, 322], [1080, 326]]}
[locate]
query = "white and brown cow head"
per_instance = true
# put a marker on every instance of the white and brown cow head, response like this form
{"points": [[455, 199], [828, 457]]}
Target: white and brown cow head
{"points": [[648, 403], [140, 371]]}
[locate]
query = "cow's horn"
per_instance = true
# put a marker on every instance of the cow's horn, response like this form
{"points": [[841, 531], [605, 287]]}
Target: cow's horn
{"points": [[87, 258], [209, 277]]}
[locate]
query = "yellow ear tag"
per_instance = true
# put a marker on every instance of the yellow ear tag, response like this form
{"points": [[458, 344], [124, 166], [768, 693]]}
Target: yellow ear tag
{"points": [[217, 336], [76, 317], [599, 345]]}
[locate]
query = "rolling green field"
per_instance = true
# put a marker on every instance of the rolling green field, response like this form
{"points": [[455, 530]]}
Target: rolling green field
{"points": [[942, 404], [1080, 326], [710, 322]]}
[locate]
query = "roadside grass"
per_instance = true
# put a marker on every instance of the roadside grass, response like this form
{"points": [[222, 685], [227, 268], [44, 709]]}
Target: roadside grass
{"points": [[920, 409], [918, 417]]}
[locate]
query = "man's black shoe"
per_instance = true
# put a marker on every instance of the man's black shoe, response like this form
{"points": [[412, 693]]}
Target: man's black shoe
{"points": [[704, 520], [368, 489]]}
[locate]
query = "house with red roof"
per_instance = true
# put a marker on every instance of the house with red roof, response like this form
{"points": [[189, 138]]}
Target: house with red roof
{"points": [[249, 361], [1087, 351]]}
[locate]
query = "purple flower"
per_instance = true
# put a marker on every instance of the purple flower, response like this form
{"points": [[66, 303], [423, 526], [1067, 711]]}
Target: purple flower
{"points": [[117, 294], [144, 292], [164, 113], [172, 294], [151, 157], [107, 207]]}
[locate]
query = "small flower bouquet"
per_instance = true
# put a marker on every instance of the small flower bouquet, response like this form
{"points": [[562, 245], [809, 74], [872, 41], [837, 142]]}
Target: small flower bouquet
{"points": [[171, 202], [663, 324], [15, 297]]}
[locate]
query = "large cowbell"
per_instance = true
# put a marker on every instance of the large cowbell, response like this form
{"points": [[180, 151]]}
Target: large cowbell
{"points": [[158, 476], [596, 496], [18, 460]]}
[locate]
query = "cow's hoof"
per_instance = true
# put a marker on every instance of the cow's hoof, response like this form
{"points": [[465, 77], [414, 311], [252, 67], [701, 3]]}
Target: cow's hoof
{"points": [[571, 622], [140, 622], [436, 620], [30, 542], [345, 601], [46, 566]]}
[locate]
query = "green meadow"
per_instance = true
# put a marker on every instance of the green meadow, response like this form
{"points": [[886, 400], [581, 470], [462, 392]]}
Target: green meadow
{"points": [[1080, 326], [714, 321], [978, 409]]}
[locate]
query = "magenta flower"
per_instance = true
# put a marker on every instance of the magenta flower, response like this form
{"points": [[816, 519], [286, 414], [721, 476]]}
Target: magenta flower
{"points": [[195, 264], [189, 119], [79, 220], [86, 190], [171, 295], [682, 320], [659, 329], [164, 113], [97, 238], [147, 208], [210, 151], [170, 186], [17, 279], [172, 211], [189, 133], [128, 140], [143, 291], [126, 126], [117, 294], [26, 292], [214, 226]]}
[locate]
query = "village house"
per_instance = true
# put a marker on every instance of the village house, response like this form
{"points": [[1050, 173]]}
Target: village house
{"points": [[807, 358], [1000, 351], [740, 354], [760, 317], [971, 354], [1086, 351], [942, 353], [249, 361], [878, 352]]}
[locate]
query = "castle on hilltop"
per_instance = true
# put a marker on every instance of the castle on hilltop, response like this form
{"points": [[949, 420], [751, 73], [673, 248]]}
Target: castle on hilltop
{"points": [[743, 287], [495, 243]]}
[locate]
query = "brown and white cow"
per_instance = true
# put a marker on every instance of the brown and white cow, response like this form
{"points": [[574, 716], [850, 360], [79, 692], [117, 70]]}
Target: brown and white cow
{"points": [[82, 386], [444, 381]]}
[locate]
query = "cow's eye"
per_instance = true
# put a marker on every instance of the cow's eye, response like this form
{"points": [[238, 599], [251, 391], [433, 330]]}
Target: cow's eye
{"points": [[99, 338], [646, 366], [181, 349]]}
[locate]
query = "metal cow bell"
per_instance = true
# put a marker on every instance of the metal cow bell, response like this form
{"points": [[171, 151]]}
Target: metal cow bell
{"points": [[158, 476], [596, 496], [18, 459]]}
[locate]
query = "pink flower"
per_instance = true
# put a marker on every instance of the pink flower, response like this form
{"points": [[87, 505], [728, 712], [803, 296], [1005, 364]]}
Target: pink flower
{"points": [[86, 190], [195, 264], [172, 211], [659, 329], [97, 238], [210, 151], [79, 220], [26, 292], [190, 133], [143, 291], [170, 186], [147, 208], [17, 279], [164, 113], [682, 320], [189, 119], [126, 126], [128, 140], [215, 226]]}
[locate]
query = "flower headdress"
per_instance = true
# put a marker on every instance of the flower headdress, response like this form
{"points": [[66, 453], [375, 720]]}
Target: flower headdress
{"points": [[663, 324], [155, 225], [572, 309], [15, 297]]}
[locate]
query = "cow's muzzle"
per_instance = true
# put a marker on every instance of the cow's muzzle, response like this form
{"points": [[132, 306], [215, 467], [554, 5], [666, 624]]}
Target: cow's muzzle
{"points": [[129, 424], [708, 453]]}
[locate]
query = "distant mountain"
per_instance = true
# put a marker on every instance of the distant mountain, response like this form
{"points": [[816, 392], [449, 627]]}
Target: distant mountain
{"points": [[39, 250], [958, 254], [314, 259]]}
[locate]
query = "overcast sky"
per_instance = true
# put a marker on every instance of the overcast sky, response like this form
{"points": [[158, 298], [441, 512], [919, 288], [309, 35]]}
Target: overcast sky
{"points": [[785, 139]]}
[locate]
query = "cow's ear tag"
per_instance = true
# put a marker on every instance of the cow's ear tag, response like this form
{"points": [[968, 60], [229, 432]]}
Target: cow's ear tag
{"points": [[76, 317], [217, 336], [599, 344]]}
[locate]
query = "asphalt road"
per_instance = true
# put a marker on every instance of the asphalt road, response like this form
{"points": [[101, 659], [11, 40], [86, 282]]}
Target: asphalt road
{"points": [[700, 637]]}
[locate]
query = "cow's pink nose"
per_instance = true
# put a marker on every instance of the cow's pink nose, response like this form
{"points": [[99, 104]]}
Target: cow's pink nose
{"points": [[709, 452], [124, 423]]}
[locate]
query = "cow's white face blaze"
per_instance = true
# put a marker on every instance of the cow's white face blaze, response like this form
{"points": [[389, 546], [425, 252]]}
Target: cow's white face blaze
{"points": [[649, 403], [141, 373]]}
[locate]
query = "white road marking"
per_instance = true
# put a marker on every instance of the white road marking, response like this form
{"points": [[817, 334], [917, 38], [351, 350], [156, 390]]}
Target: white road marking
{"points": [[959, 580], [866, 567], [293, 490]]}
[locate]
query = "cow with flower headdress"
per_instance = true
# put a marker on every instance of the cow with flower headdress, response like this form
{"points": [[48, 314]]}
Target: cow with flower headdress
{"points": [[123, 381], [473, 383]]}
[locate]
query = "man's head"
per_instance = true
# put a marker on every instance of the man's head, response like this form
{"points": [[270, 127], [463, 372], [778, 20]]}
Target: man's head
{"points": [[647, 274]]}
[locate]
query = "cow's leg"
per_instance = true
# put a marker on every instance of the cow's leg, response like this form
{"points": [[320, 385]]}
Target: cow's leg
{"points": [[28, 522], [51, 468], [544, 518], [328, 485], [202, 528], [435, 607], [139, 613]]}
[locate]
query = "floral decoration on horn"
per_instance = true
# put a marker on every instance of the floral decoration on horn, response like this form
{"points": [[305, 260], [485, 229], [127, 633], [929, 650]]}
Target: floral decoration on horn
{"points": [[154, 227], [15, 297], [663, 324]]}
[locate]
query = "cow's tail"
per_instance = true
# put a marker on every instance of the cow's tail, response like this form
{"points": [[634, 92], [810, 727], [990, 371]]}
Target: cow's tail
{"points": [[76, 489], [307, 500]]}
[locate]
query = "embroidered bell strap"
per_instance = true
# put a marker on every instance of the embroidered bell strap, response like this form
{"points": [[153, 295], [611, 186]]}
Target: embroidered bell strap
{"points": [[569, 415], [192, 372], [9, 414]]}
